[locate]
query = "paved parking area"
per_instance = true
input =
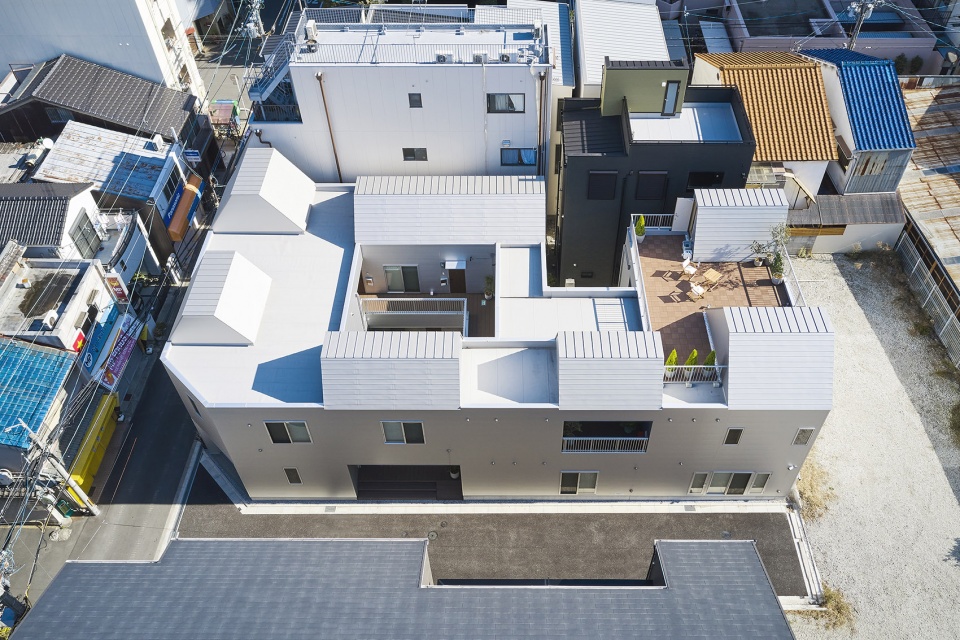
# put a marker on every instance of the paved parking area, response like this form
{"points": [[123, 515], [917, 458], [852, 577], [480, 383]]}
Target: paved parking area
{"points": [[573, 546]]}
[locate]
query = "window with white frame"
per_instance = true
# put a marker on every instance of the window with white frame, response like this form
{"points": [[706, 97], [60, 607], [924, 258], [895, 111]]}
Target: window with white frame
{"points": [[288, 432], [400, 432], [803, 436], [84, 235], [170, 186], [730, 483], [402, 278], [518, 157], [505, 103], [759, 483], [733, 436], [293, 476], [576, 482]]}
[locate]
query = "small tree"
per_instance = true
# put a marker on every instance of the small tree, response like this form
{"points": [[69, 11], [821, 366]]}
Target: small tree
{"points": [[901, 64], [488, 283], [777, 267], [671, 364], [711, 360], [779, 236], [916, 63], [693, 359], [641, 226]]}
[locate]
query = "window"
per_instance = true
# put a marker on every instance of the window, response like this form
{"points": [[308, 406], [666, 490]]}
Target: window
{"points": [[411, 154], [505, 103], [731, 484], [170, 186], [699, 483], [759, 482], [574, 482], [288, 432], [402, 432], [670, 95], [84, 236], [293, 476], [402, 279], [704, 180], [651, 186], [416, 100], [518, 157], [803, 436], [602, 185], [58, 115], [733, 436]]}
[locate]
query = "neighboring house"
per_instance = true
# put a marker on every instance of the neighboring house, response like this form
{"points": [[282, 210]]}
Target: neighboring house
{"points": [[42, 99], [50, 220], [847, 224], [145, 38], [870, 119], [370, 363], [386, 90], [649, 140], [386, 589], [748, 25], [787, 105]]}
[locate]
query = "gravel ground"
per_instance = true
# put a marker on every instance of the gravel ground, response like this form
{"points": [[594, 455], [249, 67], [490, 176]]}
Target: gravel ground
{"points": [[890, 542]]}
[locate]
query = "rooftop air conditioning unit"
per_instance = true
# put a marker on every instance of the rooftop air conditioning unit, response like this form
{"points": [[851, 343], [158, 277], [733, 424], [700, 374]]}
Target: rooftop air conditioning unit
{"points": [[444, 57], [310, 30], [479, 57], [50, 319], [508, 56]]}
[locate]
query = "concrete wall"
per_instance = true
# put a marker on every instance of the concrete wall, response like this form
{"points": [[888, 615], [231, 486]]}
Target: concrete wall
{"points": [[373, 122], [531, 438], [866, 235]]}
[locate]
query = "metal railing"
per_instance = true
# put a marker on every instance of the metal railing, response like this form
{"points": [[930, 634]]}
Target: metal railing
{"points": [[414, 314], [654, 220], [605, 445], [413, 305], [276, 112], [694, 374], [794, 292]]}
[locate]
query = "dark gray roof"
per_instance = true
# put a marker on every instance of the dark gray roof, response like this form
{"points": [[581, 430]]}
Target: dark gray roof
{"points": [[646, 64], [353, 589], [585, 131], [855, 208], [101, 92], [34, 213]]}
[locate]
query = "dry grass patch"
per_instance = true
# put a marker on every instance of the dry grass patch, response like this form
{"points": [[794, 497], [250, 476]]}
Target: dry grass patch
{"points": [[837, 611], [814, 488]]}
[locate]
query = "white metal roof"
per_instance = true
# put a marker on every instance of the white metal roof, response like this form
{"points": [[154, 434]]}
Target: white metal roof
{"points": [[508, 377], [556, 16], [386, 345], [268, 194], [450, 210], [620, 31], [225, 302], [308, 275], [612, 344], [740, 198], [778, 320]]}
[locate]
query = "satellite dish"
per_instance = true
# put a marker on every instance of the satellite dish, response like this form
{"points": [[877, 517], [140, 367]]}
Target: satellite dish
{"points": [[47, 143]]}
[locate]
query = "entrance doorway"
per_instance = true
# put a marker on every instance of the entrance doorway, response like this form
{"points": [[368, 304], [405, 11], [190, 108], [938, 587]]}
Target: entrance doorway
{"points": [[458, 280], [407, 482]]}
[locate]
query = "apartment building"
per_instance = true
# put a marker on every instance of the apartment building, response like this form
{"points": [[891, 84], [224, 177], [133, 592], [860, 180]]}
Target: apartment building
{"points": [[397, 338], [145, 38], [414, 90]]}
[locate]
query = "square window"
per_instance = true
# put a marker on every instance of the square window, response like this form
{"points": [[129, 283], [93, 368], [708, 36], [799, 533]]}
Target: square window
{"points": [[575, 482], [651, 186], [293, 476], [402, 279], [803, 436], [288, 432], [505, 103], [278, 432], [699, 483], [395, 432], [602, 185], [759, 482], [414, 154], [733, 436], [518, 157], [298, 431], [415, 100], [413, 432]]}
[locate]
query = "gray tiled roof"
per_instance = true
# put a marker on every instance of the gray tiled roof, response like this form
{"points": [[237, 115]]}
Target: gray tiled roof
{"points": [[348, 589], [34, 214], [104, 93], [585, 131]]}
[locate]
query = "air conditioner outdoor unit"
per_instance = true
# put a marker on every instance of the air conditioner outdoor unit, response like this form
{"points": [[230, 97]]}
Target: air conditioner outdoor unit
{"points": [[310, 30], [50, 319], [479, 57], [91, 297], [570, 282], [508, 56], [81, 318], [444, 57]]}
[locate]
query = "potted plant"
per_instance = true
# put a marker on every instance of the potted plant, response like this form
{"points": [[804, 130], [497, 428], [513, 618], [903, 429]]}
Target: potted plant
{"points": [[776, 270], [488, 287], [670, 368], [692, 361], [640, 228], [759, 250]]}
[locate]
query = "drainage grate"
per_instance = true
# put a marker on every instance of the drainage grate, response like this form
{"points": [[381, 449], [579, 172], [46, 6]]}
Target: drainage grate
{"points": [[432, 535], [330, 509], [690, 507]]}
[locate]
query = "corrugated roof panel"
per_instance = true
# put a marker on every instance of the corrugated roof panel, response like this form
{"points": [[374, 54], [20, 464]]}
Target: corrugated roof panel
{"points": [[620, 31], [31, 376]]}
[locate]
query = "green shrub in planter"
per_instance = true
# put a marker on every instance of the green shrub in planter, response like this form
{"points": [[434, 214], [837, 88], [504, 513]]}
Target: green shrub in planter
{"points": [[671, 364], [777, 268], [640, 227], [693, 359], [711, 360]]}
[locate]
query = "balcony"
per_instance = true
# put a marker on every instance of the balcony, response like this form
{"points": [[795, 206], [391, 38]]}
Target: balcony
{"points": [[470, 313], [694, 374], [276, 112], [605, 445]]}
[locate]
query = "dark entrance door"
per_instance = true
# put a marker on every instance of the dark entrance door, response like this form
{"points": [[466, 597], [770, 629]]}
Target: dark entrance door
{"points": [[458, 280], [407, 482]]}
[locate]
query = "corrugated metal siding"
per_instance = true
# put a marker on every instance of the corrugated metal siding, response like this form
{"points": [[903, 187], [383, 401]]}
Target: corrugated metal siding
{"points": [[779, 358], [610, 370], [729, 220], [391, 370], [876, 172], [449, 210], [620, 30]]}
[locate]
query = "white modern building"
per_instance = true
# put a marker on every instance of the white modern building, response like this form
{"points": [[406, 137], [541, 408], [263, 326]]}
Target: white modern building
{"points": [[396, 338], [414, 90], [145, 38]]}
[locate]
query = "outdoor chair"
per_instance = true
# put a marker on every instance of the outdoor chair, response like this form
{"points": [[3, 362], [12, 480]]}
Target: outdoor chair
{"points": [[696, 292], [688, 269]]}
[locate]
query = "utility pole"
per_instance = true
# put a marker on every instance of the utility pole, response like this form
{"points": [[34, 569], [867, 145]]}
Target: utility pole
{"points": [[861, 10]]}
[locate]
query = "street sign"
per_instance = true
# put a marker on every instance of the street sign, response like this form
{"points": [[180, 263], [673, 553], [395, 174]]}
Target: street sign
{"points": [[191, 155]]}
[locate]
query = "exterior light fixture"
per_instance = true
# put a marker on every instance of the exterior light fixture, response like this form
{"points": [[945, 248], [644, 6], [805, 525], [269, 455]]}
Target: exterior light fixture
{"points": [[791, 467]]}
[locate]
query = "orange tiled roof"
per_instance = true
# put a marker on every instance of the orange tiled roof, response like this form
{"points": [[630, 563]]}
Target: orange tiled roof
{"points": [[785, 100]]}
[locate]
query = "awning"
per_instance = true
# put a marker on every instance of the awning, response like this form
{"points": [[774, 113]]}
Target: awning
{"points": [[186, 208]]}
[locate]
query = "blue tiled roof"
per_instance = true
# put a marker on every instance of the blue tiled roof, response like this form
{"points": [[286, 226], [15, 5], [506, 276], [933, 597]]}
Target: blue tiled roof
{"points": [[30, 378], [871, 91]]}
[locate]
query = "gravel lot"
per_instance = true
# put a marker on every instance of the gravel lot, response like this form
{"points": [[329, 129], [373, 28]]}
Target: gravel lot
{"points": [[891, 539]]}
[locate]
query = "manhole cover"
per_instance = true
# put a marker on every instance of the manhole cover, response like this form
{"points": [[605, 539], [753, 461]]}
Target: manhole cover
{"points": [[331, 509], [725, 535], [432, 535]]}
